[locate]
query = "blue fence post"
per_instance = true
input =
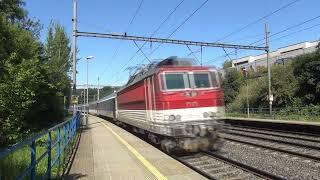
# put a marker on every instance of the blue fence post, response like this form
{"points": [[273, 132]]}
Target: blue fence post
{"points": [[49, 155], [69, 137], [33, 159], [64, 138], [58, 146]]}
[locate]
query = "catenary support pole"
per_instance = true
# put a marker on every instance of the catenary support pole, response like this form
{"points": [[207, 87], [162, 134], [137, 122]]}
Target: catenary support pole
{"points": [[270, 96], [87, 104], [98, 90], [248, 107]]}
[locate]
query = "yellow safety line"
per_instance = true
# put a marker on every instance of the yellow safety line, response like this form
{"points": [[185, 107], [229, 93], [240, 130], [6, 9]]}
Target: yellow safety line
{"points": [[145, 162]]}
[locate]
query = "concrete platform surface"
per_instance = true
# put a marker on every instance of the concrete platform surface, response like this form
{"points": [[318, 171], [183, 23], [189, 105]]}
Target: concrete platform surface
{"points": [[107, 151]]}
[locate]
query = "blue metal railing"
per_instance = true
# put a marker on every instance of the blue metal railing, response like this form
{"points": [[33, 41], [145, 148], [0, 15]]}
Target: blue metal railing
{"points": [[63, 141]]}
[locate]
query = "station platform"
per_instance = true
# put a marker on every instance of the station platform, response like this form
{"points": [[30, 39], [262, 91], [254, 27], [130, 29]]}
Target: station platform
{"points": [[107, 151]]}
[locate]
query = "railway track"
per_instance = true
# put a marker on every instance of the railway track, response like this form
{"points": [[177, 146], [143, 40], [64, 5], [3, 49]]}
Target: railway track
{"points": [[304, 146], [215, 166], [279, 133]]}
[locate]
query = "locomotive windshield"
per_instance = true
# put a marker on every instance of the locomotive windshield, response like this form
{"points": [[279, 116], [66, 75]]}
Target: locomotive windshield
{"points": [[195, 80], [201, 80], [175, 81]]}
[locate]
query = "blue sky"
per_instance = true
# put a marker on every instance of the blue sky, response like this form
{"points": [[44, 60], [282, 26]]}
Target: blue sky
{"points": [[212, 22]]}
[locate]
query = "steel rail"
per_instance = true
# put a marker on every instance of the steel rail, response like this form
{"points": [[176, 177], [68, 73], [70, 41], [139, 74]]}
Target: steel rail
{"points": [[281, 134], [198, 170], [245, 167], [275, 140]]}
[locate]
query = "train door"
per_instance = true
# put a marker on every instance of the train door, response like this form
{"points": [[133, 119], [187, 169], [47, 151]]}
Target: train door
{"points": [[149, 99]]}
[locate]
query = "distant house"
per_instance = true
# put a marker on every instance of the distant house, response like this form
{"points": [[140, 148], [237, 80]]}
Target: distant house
{"points": [[280, 56]]}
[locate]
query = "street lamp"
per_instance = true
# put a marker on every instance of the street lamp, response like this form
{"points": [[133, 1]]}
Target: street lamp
{"points": [[88, 58]]}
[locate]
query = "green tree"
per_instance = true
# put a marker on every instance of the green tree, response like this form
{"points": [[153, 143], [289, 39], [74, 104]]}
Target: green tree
{"points": [[58, 60], [307, 71], [13, 10], [227, 64], [231, 84], [16, 45], [284, 85]]}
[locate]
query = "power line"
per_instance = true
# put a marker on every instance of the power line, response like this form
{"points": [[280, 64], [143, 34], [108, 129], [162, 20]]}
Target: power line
{"points": [[258, 20], [181, 24], [290, 34], [128, 27], [139, 49], [255, 21], [281, 37], [154, 32], [288, 28], [135, 14], [193, 54]]}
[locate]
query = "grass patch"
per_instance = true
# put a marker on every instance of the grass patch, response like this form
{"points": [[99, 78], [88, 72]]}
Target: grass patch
{"points": [[15, 163]]}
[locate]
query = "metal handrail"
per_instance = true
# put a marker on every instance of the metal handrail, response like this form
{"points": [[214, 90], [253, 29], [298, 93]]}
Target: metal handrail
{"points": [[69, 129]]}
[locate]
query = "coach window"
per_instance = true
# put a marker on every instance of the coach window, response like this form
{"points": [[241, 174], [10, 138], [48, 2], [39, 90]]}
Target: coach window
{"points": [[175, 81]]}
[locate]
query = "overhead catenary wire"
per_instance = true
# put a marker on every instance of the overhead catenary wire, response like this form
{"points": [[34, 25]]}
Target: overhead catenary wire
{"points": [[288, 28], [181, 24], [127, 29], [139, 49], [277, 33], [134, 16], [255, 21], [195, 57], [154, 32], [258, 20]]}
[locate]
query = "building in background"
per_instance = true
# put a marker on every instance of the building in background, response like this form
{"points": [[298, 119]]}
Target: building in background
{"points": [[280, 56]]}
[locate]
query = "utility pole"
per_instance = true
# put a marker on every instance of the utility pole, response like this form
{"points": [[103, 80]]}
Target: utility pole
{"points": [[74, 53], [98, 90], [270, 96], [248, 108], [87, 104]]}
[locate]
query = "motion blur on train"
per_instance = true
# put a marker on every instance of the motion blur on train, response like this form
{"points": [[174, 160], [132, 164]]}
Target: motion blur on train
{"points": [[173, 103]]}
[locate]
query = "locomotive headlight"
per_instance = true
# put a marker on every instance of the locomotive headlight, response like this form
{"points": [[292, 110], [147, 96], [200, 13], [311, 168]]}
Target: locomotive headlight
{"points": [[178, 117], [213, 114], [205, 115], [172, 117]]}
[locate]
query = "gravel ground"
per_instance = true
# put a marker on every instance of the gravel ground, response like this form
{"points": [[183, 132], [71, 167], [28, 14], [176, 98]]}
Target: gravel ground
{"points": [[291, 148], [277, 133], [272, 137], [288, 166]]}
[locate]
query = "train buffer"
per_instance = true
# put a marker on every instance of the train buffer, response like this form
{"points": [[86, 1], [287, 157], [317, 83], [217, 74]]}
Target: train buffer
{"points": [[106, 151]]}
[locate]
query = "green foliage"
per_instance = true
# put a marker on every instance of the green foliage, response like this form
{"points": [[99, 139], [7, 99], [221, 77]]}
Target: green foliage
{"points": [[294, 85], [12, 10], [284, 85], [34, 77], [227, 64], [307, 71], [16, 45], [306, 113], [231, 84]]}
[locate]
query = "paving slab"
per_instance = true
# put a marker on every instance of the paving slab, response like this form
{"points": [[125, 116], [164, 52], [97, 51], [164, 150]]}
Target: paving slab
{"points": [[107, 151]]}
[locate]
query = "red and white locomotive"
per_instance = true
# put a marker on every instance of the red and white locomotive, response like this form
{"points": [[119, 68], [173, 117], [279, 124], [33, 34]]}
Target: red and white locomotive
{"points": [[172, 102]]}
